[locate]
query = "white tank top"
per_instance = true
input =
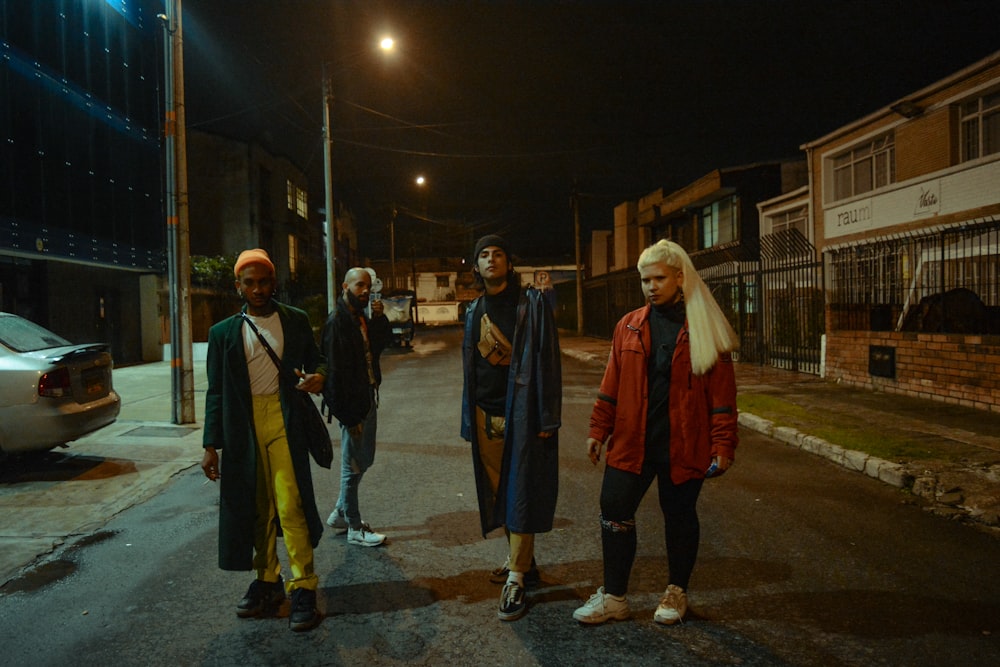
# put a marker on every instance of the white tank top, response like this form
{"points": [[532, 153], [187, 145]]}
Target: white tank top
{"points": [[263, 372]]}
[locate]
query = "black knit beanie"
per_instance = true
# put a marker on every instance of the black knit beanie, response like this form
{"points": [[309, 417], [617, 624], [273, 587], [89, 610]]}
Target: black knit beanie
{"points": [[486, 242]]}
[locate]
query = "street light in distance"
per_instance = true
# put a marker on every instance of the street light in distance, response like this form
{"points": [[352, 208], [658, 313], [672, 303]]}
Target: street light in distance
{"points": [[420, 181]]}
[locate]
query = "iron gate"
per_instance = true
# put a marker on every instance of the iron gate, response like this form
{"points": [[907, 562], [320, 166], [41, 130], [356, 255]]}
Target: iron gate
{"points": [[776, 303]]}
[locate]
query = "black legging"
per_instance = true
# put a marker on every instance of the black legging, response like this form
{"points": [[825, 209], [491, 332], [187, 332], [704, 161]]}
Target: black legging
{"points": [[621, 494]]}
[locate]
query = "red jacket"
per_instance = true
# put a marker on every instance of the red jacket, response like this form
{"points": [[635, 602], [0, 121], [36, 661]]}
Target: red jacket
{"points": [[703, 417]]}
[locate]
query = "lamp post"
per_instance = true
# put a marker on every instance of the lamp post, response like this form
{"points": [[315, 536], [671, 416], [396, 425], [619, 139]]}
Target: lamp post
{"points": [[331, 220], [392, 246], [178, 243], [420, 182], [386, 44]]}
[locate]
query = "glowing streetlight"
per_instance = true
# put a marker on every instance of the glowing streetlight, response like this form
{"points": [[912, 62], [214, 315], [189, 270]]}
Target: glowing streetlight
{"points": [[387, 44]]}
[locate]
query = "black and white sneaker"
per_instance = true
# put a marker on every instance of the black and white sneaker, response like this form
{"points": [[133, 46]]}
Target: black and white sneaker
{"points": [[512, 602]]}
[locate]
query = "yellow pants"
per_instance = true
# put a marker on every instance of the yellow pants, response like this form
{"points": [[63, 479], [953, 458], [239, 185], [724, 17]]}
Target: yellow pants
{"points": [[522, 545], [278, 500]]}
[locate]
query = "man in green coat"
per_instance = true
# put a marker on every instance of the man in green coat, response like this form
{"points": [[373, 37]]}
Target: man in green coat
{"points": [[265, 475]]}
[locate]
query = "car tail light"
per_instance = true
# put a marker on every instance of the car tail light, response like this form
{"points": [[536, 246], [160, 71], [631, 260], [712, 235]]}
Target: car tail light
{"points": [[55, 384]]}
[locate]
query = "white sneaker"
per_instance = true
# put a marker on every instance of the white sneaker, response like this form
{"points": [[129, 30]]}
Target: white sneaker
{"points": [[364, 536], [338, 521], [673, 606], [601, 607]]}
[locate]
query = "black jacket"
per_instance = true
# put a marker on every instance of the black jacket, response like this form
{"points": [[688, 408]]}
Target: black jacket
{"points": [[344, 394]]}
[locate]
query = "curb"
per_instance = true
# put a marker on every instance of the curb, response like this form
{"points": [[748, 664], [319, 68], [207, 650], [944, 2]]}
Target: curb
{"points": [[893, 474], [938, 489], [946, 502]]}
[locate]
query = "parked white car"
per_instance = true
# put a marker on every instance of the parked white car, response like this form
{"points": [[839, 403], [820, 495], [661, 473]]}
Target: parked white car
{"points": [[51, 391]]}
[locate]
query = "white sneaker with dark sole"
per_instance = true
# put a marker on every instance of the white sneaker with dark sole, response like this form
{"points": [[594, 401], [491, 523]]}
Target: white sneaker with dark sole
{"points": [[364, 536], [337, 521]]}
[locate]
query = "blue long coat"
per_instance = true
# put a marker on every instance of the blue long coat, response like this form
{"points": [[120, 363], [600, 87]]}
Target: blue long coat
{"points": [[229, 428], [525, 501]]}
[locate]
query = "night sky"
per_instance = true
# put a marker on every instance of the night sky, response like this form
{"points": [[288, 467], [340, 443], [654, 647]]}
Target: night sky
{"points": [[503, 106]]}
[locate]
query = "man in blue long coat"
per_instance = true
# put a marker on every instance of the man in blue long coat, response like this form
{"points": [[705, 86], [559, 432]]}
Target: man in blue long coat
{"points": [[265, 471], [511, 404]]}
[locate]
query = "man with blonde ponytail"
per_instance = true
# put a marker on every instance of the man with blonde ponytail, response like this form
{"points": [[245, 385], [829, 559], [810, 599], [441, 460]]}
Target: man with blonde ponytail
{"points": [[666, 410]]}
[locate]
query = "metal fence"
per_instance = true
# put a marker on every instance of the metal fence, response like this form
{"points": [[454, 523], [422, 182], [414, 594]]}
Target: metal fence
{"points": [[775, 304], [607, 298], [944, 281]]}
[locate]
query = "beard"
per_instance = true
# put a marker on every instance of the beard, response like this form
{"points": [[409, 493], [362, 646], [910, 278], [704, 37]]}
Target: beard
{"points": [[355, 303]]}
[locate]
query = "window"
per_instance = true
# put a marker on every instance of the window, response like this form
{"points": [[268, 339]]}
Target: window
{"points": [[941, 282], [865, 168], [297, 200], [720, 221], [293, 255], [796, 218], [981, 126], [443, 280], [301, 206]]}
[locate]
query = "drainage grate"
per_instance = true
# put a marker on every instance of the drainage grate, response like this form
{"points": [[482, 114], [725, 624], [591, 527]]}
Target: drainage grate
{"points": [[161, 431]]}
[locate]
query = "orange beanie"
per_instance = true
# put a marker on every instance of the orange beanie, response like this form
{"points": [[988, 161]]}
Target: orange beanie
{"points": [[255, 256]]}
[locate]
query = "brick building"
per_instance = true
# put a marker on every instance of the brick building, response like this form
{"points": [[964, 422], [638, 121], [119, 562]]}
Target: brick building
{"points": [[905, 207]]}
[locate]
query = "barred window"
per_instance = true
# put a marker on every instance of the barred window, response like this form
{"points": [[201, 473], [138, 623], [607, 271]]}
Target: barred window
{"points": [[981, 126], [865, 168], [944, 282]]}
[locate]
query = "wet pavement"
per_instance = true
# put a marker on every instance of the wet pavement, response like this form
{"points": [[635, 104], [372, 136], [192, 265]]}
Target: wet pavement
{"points": [[134, 458]]}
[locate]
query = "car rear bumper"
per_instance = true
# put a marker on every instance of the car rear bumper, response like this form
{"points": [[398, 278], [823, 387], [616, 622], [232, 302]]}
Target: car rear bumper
{"points": [[33, 428]]}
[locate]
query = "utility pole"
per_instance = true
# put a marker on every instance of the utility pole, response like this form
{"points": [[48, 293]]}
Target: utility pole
{"points": [[579, 264], [178, 240], [392, 245], [331, 220]]}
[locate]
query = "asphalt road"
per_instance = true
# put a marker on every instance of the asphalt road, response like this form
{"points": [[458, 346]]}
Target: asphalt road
{"points": [[801, 563]]}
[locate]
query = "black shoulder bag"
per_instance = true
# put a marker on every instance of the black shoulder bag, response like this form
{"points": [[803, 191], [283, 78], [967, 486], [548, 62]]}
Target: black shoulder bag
{"points": [[317, 436]]}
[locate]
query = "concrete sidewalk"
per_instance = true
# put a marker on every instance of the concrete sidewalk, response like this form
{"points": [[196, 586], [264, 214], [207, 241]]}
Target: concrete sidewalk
{"points": [[51, 501], [958, 471]]}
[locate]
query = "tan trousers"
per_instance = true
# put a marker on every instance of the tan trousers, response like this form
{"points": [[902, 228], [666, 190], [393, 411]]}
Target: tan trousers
{"points": [[522, 545], [278, 498]]}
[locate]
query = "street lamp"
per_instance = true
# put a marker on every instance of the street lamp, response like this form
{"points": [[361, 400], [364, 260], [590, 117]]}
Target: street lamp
{"points": [[420, 182], [387, 44]]}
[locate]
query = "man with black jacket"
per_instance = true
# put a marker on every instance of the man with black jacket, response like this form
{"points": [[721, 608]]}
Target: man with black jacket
{"points": [[353, 343]]}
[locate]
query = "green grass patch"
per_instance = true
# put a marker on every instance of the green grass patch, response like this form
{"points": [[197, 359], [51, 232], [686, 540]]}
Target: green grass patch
{"points": [[832, 427]]}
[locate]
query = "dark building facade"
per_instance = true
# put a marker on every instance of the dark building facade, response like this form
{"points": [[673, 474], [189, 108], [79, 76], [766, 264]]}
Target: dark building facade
{"points": [[82, 232]]}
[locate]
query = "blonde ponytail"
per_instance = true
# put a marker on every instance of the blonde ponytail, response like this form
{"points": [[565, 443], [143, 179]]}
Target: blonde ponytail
{"points": [[709, 331]]}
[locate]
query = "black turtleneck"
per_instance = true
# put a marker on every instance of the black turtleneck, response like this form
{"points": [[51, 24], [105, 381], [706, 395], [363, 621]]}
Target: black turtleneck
{"points": [[665, 323]]}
